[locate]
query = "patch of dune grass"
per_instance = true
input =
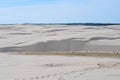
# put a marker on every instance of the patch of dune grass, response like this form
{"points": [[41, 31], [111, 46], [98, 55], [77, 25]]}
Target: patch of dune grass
{"points": [[88, 54]]}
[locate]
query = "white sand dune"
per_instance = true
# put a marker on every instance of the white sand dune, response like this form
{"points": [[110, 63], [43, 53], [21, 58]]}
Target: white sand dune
{"points": [[50, 38], [40, 38], [43, 67]]}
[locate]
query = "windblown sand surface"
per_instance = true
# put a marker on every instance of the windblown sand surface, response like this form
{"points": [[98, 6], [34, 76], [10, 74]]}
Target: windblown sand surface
{"points": [[44, 67], [48, 47], [44, 38]]}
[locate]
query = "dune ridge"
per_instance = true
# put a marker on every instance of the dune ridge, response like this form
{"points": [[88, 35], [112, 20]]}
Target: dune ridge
{"points": [[48, 38]]}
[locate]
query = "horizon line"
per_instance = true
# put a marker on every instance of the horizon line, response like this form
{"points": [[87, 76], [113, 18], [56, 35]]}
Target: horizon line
{"points": [[87, 23]]}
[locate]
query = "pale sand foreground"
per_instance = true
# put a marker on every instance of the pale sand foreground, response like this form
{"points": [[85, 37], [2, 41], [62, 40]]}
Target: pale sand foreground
{"points": [[54, 67]]}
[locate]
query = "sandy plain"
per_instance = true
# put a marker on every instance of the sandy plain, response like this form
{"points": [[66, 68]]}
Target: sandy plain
{"points": [[59, 52], [58, 67]]}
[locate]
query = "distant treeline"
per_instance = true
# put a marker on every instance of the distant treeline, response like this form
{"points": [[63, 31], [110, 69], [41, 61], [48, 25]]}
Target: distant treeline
{"points": [[93, 24], [86, 24]]}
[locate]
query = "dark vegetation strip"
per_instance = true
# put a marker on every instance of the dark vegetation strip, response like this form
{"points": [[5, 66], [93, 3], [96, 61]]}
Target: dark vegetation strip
{"points": [[86, 24], [88, 54]]}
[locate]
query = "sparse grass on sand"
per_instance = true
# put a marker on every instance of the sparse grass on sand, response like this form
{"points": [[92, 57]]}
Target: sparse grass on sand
{"points": [[88, 54]]}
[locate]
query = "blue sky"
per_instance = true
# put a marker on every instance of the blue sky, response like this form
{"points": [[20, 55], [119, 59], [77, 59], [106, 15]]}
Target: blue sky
{"points": [[59, 11]]}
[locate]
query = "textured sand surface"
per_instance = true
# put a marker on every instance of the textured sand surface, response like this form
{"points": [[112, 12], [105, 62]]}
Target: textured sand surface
{"points": [[40, 38], [43, 67], [54, 38]]}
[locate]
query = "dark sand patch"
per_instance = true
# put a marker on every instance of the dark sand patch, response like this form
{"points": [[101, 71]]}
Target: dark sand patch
{"points": [[102, 38], [55, 30], [20, 33]]}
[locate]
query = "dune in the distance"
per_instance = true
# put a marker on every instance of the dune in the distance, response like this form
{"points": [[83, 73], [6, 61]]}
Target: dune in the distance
{"points": [[48, 38]]}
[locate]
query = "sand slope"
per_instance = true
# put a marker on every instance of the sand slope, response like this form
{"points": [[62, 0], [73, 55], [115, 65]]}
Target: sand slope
{"points": [[40, 38]]}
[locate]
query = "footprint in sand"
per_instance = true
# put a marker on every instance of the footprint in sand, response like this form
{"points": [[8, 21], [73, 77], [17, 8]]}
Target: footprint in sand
{"points": [[42, 76], [61, 78], [36, 77]]}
